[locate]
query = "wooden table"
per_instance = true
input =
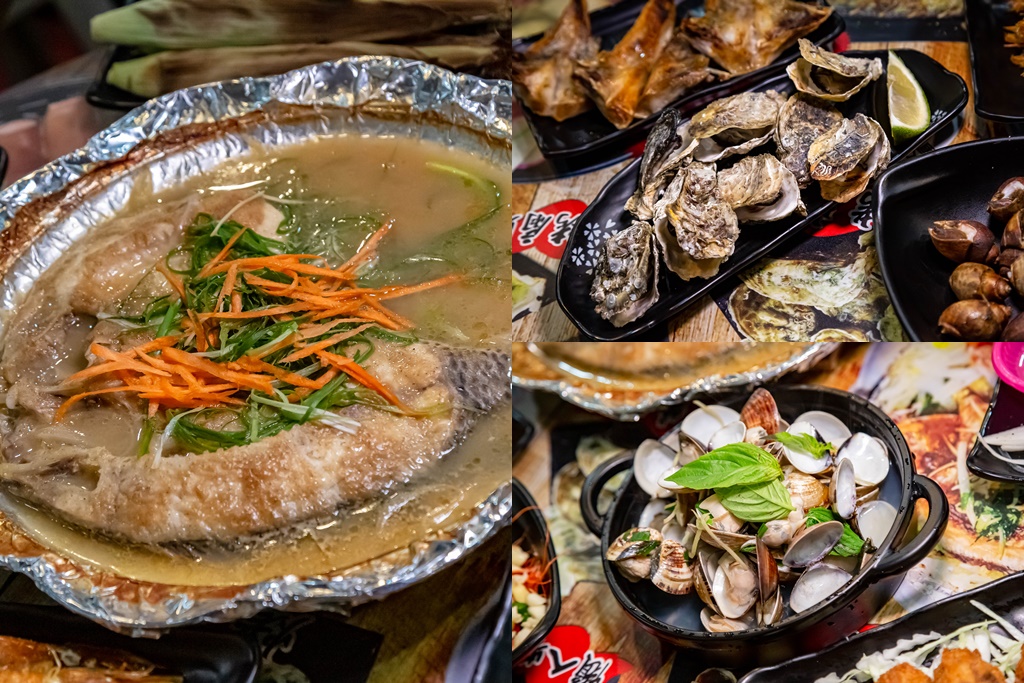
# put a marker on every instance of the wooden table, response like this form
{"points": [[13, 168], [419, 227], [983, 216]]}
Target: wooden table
{"points": [[703, 321]]}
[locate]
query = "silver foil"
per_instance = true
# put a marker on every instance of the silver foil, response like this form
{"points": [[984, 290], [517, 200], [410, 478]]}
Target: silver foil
{"points": [[364, 95], [607, 403]]}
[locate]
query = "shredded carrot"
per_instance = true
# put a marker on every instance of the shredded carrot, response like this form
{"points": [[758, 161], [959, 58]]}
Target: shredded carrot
{"points": [[394, 292], [324, 344], [63, 409], [258, 313], [222, 253], [229, 285], [359, 374], [368, 248], [172, 279], [257, 365]]}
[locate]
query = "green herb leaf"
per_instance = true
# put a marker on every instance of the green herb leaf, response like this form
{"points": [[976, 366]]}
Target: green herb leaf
{"points": [[850, 543], [733, 465], [645, 549], [523, 609], [639, 536], [759, 502], [803, 442]]}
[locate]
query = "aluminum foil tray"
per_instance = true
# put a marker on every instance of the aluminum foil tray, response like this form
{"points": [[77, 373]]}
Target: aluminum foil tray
{"points": [[178, 136]]}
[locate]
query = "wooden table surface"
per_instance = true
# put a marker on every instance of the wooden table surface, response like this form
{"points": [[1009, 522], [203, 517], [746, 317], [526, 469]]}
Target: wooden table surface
{"points": [[703, 321]]}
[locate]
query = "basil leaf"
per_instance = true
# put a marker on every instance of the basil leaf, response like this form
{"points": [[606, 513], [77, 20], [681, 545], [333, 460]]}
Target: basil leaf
{"points": [[850, 543], [803, 442], [760, 502], [732, 465], [639, 536]]}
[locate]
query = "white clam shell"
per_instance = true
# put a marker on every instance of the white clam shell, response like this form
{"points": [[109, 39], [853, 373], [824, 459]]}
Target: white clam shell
{"points": [[816, 584], [830, 427], [653, 514], [843, 489], [869, 456], [651, 461], [874, 521], [802, 460], [702, 423], [734, 432]]}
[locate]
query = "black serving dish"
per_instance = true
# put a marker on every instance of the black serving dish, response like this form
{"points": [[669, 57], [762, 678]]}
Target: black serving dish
{"points": [[530, 528], [1004, 597], [199, 655], [952, 183], [590, 130], [522, 432], [947, 94], [1006, 411], [998, 85], [3, 164], [676, 620]]}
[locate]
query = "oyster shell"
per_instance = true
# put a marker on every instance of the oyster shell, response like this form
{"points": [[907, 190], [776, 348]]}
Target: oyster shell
{"points": [[845, 159], [663, 154], [830, 76], [699, 229], [734, 125], [760, 189], [677, 70], [626, 275], [802, 120]]}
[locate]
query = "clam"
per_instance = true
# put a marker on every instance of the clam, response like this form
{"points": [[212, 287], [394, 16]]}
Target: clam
{"points": [[653, 514], [760, 189], [769, 604], [721, 518], [626, 274], [734, 432], [845, 159], [633, 552], [777, 533], [733, 125], [716, 623], [704, 574], [805, 490], [816, 584], [812, 544], [1008, 199], [875, 520], [866, 494], [702, 423], [689, 449], [829, 427], [672, 574], [652, 461], [761, 411], [869, 456], [830, 76], [757, 436], [800, 458], [734, 586], [842, 489], [725, 539]]}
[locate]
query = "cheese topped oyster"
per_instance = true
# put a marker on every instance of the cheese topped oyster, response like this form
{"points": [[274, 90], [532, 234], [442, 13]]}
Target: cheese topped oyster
{"points": [[830, 76]]}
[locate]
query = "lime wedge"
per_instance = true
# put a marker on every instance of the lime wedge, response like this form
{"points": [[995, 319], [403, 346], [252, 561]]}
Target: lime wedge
{"points": [[909, 113]]}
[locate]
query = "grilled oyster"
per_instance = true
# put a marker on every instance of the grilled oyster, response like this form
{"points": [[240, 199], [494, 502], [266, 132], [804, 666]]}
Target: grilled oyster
{"points": [[734, 125], [760, 189], [845, 159], [744, 35], [699, 229], [802, 120], [543, 75], [615, 79], [626, 275], [678, 69], [663, 154], [830, 76]]}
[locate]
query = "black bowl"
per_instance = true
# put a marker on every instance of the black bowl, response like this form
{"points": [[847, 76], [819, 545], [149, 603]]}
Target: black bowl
{"points": [[951, 183], [1004, 412], [3, 164], [532, 530], [1004, 597], [676, 620]]}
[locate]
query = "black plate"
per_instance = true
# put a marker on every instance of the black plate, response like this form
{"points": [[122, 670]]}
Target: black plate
{"points": [[199, 655], [1006, 411], [591, 130], [951, 183], [998, 85], [1005, 597], [533, 530], [947, 94]]}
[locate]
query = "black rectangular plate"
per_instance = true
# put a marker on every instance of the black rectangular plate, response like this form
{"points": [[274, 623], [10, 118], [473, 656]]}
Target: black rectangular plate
{"points": [[198, 654], [947, 94], [1005, 597], [946, 184], [1006, 411], [998, 84], [590, 130]]}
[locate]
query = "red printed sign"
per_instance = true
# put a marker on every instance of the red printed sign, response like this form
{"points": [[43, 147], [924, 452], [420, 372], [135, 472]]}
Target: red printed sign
{"points": [[546, 229], [566, 657]]}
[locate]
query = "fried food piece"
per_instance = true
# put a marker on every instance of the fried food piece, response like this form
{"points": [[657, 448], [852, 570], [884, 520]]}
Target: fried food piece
{"points": [[677, 70], [616, 78], [960, 665], [543, 75], [904, 673]]}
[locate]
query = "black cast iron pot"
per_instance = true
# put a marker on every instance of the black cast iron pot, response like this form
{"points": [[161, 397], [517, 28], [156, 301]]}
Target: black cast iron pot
{"points": [[676, 619]]}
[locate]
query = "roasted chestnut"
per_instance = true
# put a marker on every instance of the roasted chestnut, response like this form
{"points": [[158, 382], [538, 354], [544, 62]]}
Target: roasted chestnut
{"points": [[978, 281], [964, 240], [1014, 329], [1005, 260], [974, 320], [1008, 199]]}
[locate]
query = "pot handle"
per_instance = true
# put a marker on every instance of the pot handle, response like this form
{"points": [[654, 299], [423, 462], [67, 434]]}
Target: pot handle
{"points": [[938, 514], [592, 486]]}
